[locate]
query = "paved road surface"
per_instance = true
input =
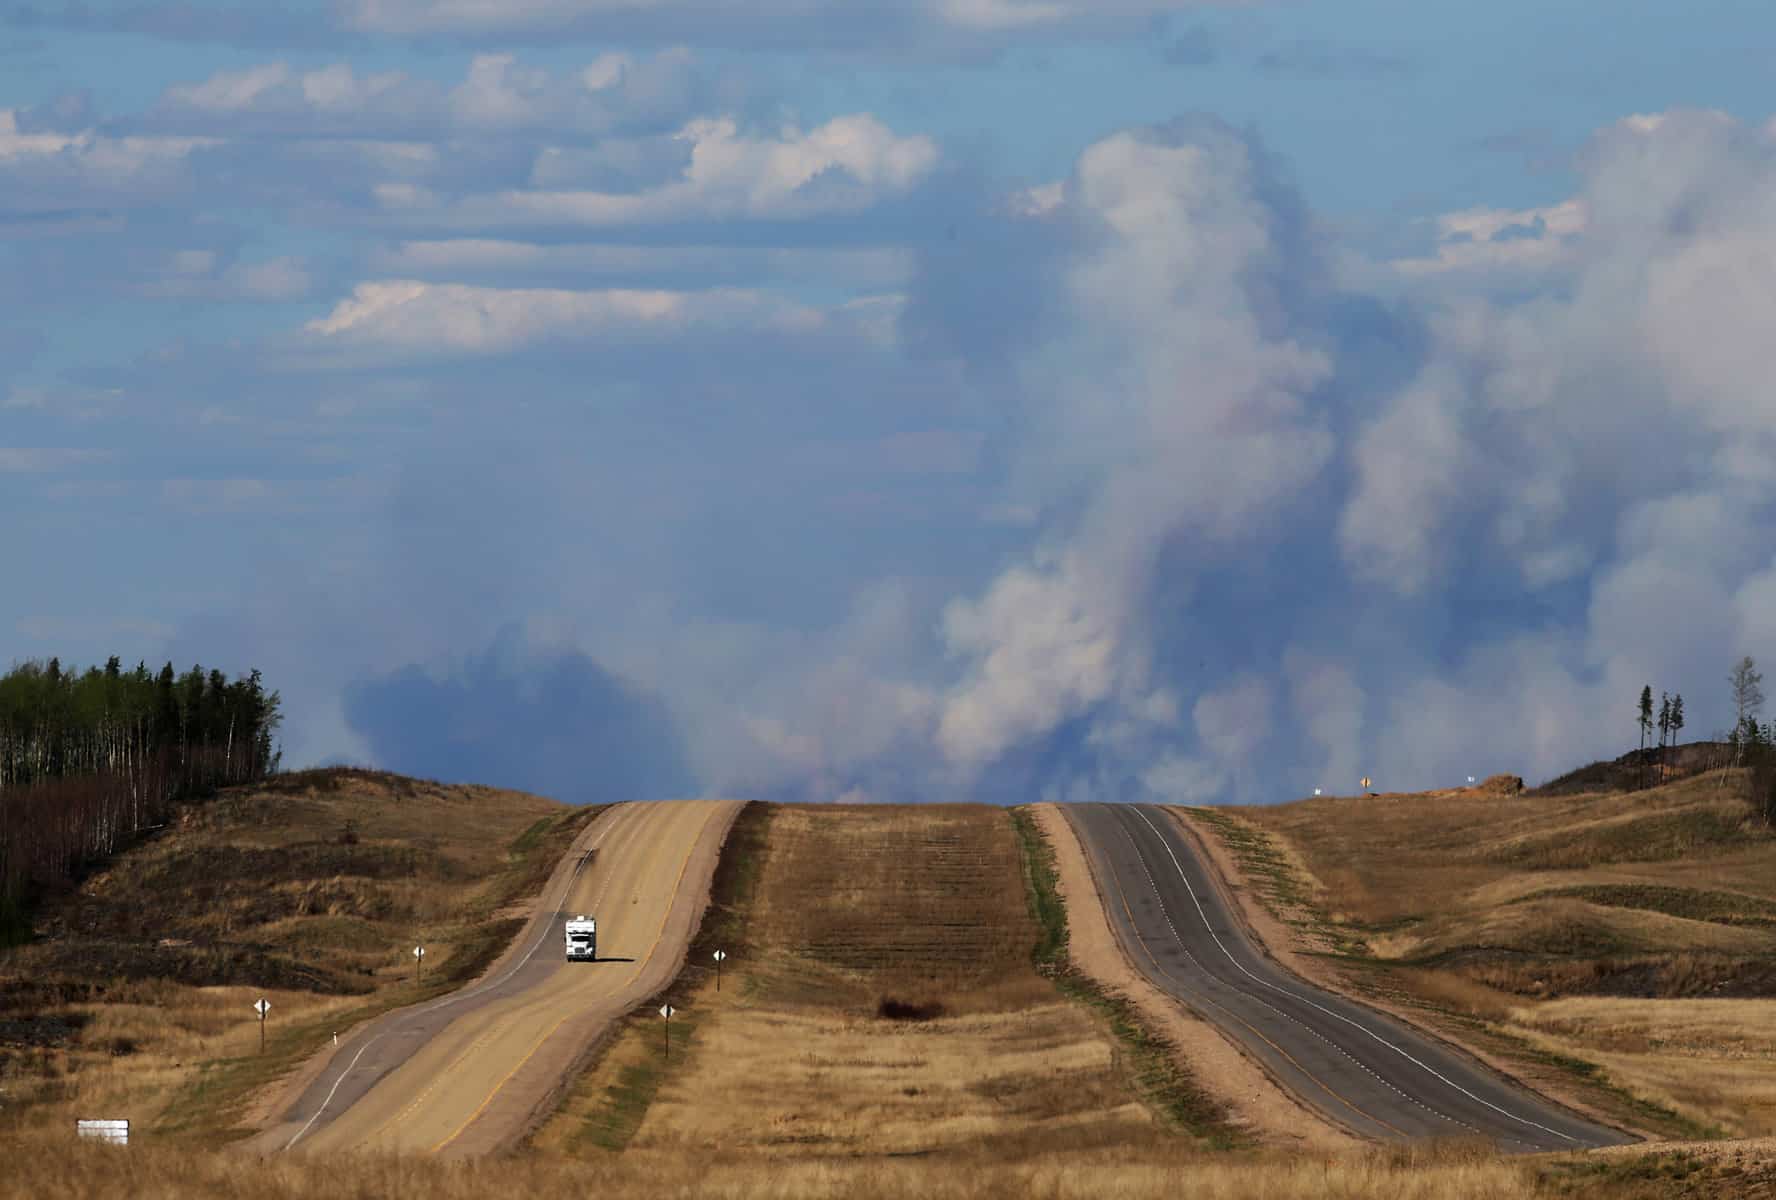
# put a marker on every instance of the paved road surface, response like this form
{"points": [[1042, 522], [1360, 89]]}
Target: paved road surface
{"points": [[1365, 1070], [464, 1074]]}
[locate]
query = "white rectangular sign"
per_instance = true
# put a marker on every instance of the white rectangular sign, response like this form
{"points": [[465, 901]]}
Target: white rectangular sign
{"points": [[105, 1131]]}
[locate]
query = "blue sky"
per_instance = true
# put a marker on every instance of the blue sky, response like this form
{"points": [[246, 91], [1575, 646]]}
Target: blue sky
{"points": [[969, 398]]}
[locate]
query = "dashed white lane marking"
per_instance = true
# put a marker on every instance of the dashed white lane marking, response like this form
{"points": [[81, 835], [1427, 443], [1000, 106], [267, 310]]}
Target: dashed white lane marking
{"points": [[1400, 1050], [457, 997]]}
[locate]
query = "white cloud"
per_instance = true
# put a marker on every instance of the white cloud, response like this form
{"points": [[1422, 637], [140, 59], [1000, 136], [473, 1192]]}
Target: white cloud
{"points": [[414, 316], [498, 93], [88, 154], [979, 17], [39, 460], [200, 275], [231, 91], [461, 259], [844, 165], [1536, 420], [1494, 239]]}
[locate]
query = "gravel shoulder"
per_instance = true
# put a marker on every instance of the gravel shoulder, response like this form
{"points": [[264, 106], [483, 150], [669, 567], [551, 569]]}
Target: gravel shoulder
{"points": [[1255, 1102]]}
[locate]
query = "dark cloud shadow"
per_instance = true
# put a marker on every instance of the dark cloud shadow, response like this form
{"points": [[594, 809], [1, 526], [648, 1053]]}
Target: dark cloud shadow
{"points": [[547, 721]]}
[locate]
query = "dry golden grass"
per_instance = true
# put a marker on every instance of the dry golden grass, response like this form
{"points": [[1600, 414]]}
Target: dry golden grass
{"points": [[855, 906], [150, 970], [923, 903], [56, 1170], [1714, 1060], [1472, 906]]}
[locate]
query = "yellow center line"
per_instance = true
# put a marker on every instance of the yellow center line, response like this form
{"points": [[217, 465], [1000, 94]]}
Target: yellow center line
{"points": [[671, 904], [623, 825]]}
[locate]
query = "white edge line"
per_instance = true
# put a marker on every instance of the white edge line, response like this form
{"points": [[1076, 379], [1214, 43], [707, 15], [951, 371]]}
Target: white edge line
{"points": [[455, 997], [1353, 1024]]}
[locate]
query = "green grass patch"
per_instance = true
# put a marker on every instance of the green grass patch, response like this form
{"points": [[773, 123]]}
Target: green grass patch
{"points": [[1279, 886], [611, 1120], [1152, 1062], [612, 1124], [527, 841], [1042, 887], [733, 888]]}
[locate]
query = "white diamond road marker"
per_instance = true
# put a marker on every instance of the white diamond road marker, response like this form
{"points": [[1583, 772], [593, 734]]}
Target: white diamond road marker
{"points": [[720, 954], [666, 1010], [262, 1007], [419, 952]]}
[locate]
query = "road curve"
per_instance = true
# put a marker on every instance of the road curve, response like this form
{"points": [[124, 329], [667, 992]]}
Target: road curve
{"points": [[464, 1074], [1365, 1070]]}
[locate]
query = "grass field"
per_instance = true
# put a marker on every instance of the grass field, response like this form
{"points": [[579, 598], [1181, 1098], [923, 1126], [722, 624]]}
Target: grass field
{"points": [[53, 1169], [884, 1002], [135, 998], [1616, 947]]}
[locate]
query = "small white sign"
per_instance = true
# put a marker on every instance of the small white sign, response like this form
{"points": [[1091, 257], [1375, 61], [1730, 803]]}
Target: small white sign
{"points": [[115, 1132], [1316, 791], [262, 1007], [1470, 779], [720, 954], [419, 952], [666, 1010]]}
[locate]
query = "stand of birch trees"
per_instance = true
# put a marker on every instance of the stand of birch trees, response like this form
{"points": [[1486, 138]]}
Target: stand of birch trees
{"points": [[89, 760]]}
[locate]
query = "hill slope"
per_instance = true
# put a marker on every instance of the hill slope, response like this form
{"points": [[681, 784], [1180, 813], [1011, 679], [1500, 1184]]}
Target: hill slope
{"points": [[135, 997], [1574, 934]]}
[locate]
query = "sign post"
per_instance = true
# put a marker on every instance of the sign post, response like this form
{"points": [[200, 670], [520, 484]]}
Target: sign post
{"points": [[719, 955], [418, 965], [262, 1006], [666, 1011]]}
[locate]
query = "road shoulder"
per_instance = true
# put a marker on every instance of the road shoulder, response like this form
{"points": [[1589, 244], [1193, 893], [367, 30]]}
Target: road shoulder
{"points": [[1296, 952], [1255, 1102]]}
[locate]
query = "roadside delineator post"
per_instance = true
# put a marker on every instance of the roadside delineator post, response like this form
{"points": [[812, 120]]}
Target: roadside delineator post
{"points": [[262, 1006], [719, 955], [666, 1011], [418, 965]]}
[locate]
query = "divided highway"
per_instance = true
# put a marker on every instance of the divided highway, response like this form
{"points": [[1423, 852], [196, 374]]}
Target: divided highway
{"points": [[464, 1074], [1365, 1070]]}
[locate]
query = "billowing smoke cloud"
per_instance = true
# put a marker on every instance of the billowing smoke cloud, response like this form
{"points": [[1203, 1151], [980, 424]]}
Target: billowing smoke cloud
{"points": [[1146, 486], [1275, 533], [551, 722], [1177, 410]]}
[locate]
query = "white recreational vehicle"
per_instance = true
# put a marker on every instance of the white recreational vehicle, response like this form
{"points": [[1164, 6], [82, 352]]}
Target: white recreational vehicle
{"points": [[582, 939]]}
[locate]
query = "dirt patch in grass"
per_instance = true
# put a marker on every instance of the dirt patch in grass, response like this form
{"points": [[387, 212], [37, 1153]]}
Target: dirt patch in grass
{"points": [[884, 1003]]}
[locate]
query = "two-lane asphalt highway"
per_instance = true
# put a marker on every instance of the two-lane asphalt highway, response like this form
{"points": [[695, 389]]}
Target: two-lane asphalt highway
{"points": [[1365, 1070], [465, 1073]]}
